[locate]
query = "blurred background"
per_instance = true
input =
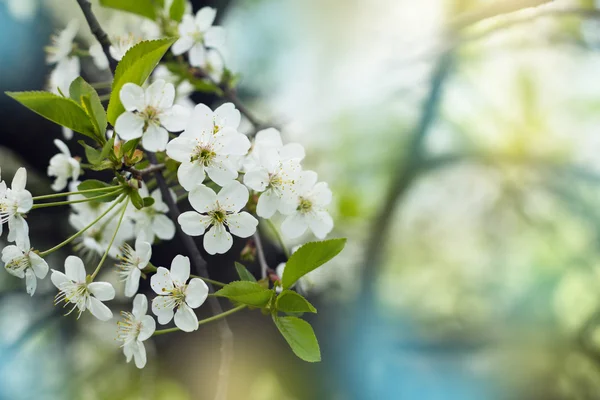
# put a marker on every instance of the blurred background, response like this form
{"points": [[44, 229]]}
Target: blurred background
{"points": [[461, 139]]}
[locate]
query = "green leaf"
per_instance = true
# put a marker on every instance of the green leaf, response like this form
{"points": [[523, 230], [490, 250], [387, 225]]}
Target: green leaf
{"points": [[145, 8], [108, 147], [244, 292], [308, 258], [87, 97], [96, 184], [243, 273], [177, 10], [93, 155], [135, 67], [148, 201], [291, 302], [300, 336], [60, 110], [129, 147], [136, 199]]}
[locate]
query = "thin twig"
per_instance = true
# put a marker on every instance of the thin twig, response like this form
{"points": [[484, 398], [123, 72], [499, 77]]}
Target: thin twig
{"points": [[98, 32], [140, 173], [200, 265], [261, 255]]}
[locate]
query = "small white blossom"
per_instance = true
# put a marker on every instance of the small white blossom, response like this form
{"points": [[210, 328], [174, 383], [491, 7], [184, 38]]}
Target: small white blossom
{"points": [[63, 167], [310, 208], [122, 44], [213, 65], [67, 133], [136, 327], [133, 261], [61, 77], [174, 293], [197, 33], [209, 145], [62, 43], [74, 289], [24, 263], [151, 222], [219, 211], [150, 114], [270, 138], [183, 90], [98, 56], [15, 202]]}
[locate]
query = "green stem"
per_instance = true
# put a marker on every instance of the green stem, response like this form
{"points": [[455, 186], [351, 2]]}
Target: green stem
{"points": [[55, 195], [203, 321], [70, 239], [87, 199], [112, 240], [279, 237], [102, 85]]}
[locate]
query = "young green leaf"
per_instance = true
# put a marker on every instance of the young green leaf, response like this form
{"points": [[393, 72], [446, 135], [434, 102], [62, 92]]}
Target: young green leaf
{"points": [[291, 302], [148, 201], [308, 258], [244, 292], [243, 273], [136, 199], [61, 110], [93, 155], [135, 67], [87, 97], [145, 8], [300, 336], [96, 184], [177, 10]]}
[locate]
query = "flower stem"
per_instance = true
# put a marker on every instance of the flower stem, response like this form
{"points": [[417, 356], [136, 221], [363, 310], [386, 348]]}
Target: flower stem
{"points": [[76, 235], [87, 199], [279, 237], [112, 240], [55, 195], [203, 321]]}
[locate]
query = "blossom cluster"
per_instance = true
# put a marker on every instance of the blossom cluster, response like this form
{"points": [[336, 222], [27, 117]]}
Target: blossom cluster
{"points": [[231, 180]]}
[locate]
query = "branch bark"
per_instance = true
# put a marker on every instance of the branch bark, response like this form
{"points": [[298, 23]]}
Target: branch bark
{"points": [[98, 32]]}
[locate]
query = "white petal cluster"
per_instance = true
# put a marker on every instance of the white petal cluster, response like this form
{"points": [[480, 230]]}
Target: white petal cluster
{"points": [[15, 202], [81, 295], [218, 211], [150, 114], [67, 67], [134, 329], [132, 262], [152, 222], [63, 166], [177, 296], [196, 34], [24, 263]]}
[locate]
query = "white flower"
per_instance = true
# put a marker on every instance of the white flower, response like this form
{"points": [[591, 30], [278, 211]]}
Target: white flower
{"points": [[174, 293], [213, 65], [63, 167], [149, 114], [310, 208], [219, 211], [122, 44], [275, 175], [270, 138], [62, 43], [73, 288], [197, 33], [151, 222], [98, 56], [183, 90], [24, 263], [132, 263], [134, 329], [61, 77], [207, 146], [15, 202], [67, 133]]}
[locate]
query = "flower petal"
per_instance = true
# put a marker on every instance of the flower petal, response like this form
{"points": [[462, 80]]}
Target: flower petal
{"points": [[196, 293], [129, 126], [180, 270], [162, 307], [221, 172], [181, 149], [197, 55], [185, 319], [74, 269], [205, 18], [39, 265], [132, 283], [175, 119], [322, 194], [99, 309], [163, 227], [143, 250], [227, 115], [203, 199], [233, 197], [30, 281], [140, 306], [201, 123], [217, 240], [294, 225], [192, 223], [190, 175], [103, 291], [257, 179], [19, 180], [268, 203], [139, 354], [307, 180], [58, 278], [268, 138], [242, 225], [161, 282], [215, 37], [155, 139], [160, 94], [183, 44], [320, 223], [148, 327], [132, 97]]}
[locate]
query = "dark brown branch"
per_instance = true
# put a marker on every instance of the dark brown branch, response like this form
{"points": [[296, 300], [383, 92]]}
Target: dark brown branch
{"points": [[140, 173], [98, 32], [200, 266]]}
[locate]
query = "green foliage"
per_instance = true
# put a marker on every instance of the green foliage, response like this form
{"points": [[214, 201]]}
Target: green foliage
{"points": [[243, 273], [136, 199], [245, 292], [148, 201], [87, 97], [96, 184], [289, 301], [60, 110], [145, 8], [177, 10], [93, 155], [135, 67], [308, 258], [300, 336]]}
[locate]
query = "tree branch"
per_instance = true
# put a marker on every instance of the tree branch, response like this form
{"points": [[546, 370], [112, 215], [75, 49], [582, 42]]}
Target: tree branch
{"points": [[261, 255], [98, 32]]}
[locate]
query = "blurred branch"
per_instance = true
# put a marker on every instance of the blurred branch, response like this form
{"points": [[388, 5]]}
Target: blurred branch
{"points": [[98, 32], [261, 256], [496, 9]]}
